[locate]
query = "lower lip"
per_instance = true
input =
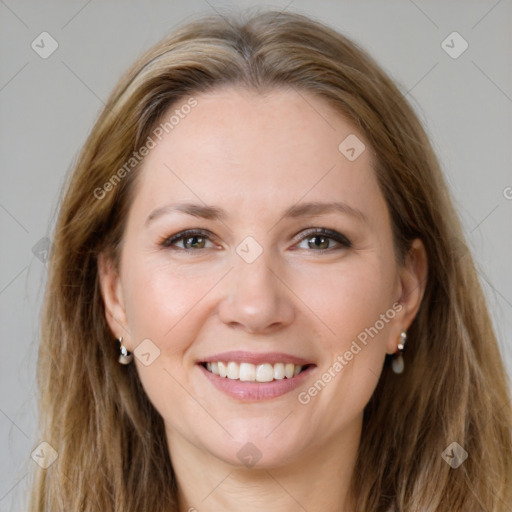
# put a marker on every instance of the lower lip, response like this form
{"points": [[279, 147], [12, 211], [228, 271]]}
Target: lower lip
{"points": [[256, 391]]}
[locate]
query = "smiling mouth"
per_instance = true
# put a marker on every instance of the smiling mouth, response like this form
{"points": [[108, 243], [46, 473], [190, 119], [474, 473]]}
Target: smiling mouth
{"points": [[248, 372]]}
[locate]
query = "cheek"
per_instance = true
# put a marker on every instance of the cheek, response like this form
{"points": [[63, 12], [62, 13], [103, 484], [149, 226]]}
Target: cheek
{"points": [[356, 305], [350, 298], [160, 304], [162, 300], [339, 301]]}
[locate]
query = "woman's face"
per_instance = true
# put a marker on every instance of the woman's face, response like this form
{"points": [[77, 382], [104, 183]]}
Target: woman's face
{"points": [[259, 288]]}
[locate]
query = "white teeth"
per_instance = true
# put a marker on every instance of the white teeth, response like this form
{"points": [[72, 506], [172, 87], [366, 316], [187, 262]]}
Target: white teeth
{"points": [[223, 369], [279, 371], [264, 373], [248, 372], [233, 370]]}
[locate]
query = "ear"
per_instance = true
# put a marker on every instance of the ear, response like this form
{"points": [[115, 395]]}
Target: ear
{"points": [[113, 299], [413, 278]]}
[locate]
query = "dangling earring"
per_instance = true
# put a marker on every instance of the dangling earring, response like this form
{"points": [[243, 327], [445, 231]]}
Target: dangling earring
{"points": [[125, 357], [397, 364]]}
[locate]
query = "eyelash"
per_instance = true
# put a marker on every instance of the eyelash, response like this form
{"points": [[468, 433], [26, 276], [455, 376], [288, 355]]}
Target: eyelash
{"points": [[327, 233]]}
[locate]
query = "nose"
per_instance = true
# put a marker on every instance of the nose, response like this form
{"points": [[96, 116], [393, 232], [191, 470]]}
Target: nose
{"points": [[256, 298]]}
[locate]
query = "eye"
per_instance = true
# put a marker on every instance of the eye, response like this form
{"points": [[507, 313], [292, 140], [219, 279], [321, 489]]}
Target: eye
{"points": [[191, 239], [320, 240]]}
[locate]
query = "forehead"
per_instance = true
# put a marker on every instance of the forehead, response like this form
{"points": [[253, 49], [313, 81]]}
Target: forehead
{"points": [[258, 148]]}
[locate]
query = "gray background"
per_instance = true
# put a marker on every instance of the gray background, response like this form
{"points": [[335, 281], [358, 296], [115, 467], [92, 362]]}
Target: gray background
{"points": [[49, 105]]}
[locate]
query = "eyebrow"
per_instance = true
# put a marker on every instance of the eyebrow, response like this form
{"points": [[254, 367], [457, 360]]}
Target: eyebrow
{"points": [[310, 209]]}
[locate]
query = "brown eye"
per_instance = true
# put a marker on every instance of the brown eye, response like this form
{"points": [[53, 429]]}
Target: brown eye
{"points": [[320, 242], [189, 240], [196, 242], [322, 239]]}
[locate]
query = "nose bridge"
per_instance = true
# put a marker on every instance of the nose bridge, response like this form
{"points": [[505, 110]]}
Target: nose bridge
{"points": [[256, 299], [257, 277]]}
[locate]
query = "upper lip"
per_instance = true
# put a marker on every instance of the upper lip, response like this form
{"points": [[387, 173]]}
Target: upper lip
{"points": [[240, 356]]}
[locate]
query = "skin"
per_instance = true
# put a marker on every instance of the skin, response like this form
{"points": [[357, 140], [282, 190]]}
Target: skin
{"points": [[255, 155]]}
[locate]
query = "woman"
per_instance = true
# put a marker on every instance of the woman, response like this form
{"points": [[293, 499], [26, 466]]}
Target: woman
{"points": [[258, 230]]}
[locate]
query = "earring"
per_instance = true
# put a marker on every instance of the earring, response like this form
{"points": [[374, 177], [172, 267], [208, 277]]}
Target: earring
{"points": [[125, 357], [397, 364]]}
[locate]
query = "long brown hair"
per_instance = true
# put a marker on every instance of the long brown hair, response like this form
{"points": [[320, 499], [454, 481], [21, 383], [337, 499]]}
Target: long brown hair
{"points": [[112, 450]]}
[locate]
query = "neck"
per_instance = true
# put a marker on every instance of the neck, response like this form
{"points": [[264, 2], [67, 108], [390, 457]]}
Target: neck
{"points": [[207, 484]]}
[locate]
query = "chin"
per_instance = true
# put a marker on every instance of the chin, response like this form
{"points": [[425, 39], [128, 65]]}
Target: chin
{"points": [[256, 446]]}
